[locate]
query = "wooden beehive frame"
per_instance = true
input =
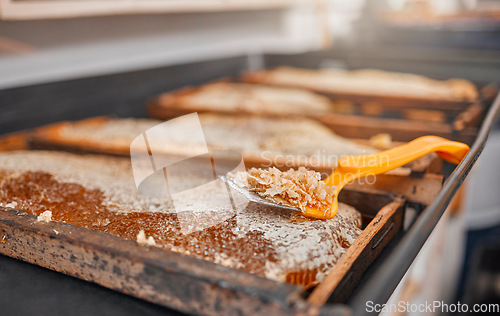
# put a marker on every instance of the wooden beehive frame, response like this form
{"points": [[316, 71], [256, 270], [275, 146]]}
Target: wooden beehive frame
{"points": [[456, 120], [154, 274], [416, 182]]}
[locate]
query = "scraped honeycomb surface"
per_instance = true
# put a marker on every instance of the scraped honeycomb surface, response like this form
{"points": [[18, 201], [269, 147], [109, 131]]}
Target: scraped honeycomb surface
{"points": [[303, 141], [99, 193]]}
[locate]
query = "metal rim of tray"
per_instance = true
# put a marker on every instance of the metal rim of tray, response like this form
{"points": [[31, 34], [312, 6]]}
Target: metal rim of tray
{"points": [[380, 287]]}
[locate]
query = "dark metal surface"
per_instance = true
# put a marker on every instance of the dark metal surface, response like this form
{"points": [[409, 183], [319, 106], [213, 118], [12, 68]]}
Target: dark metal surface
{"points": [[120, 95], [387, 277], [27, 289]]}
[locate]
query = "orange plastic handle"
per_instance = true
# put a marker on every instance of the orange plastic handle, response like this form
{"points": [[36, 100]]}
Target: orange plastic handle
{"points": [[351, 168]]}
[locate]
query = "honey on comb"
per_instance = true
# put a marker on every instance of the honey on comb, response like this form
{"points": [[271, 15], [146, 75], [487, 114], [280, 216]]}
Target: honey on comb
{"points": [[277, 245], [36, 192]]}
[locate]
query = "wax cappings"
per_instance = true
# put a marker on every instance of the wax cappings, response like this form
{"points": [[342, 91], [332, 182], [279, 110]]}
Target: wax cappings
{"points": [[99, 193]]}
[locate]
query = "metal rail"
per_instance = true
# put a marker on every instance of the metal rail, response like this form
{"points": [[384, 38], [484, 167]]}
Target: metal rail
{"points": [[380, 287]]}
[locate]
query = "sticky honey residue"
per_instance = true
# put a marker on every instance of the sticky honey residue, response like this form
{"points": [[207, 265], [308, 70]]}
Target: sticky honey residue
{"points": [[303, 277], [38, 192]]}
